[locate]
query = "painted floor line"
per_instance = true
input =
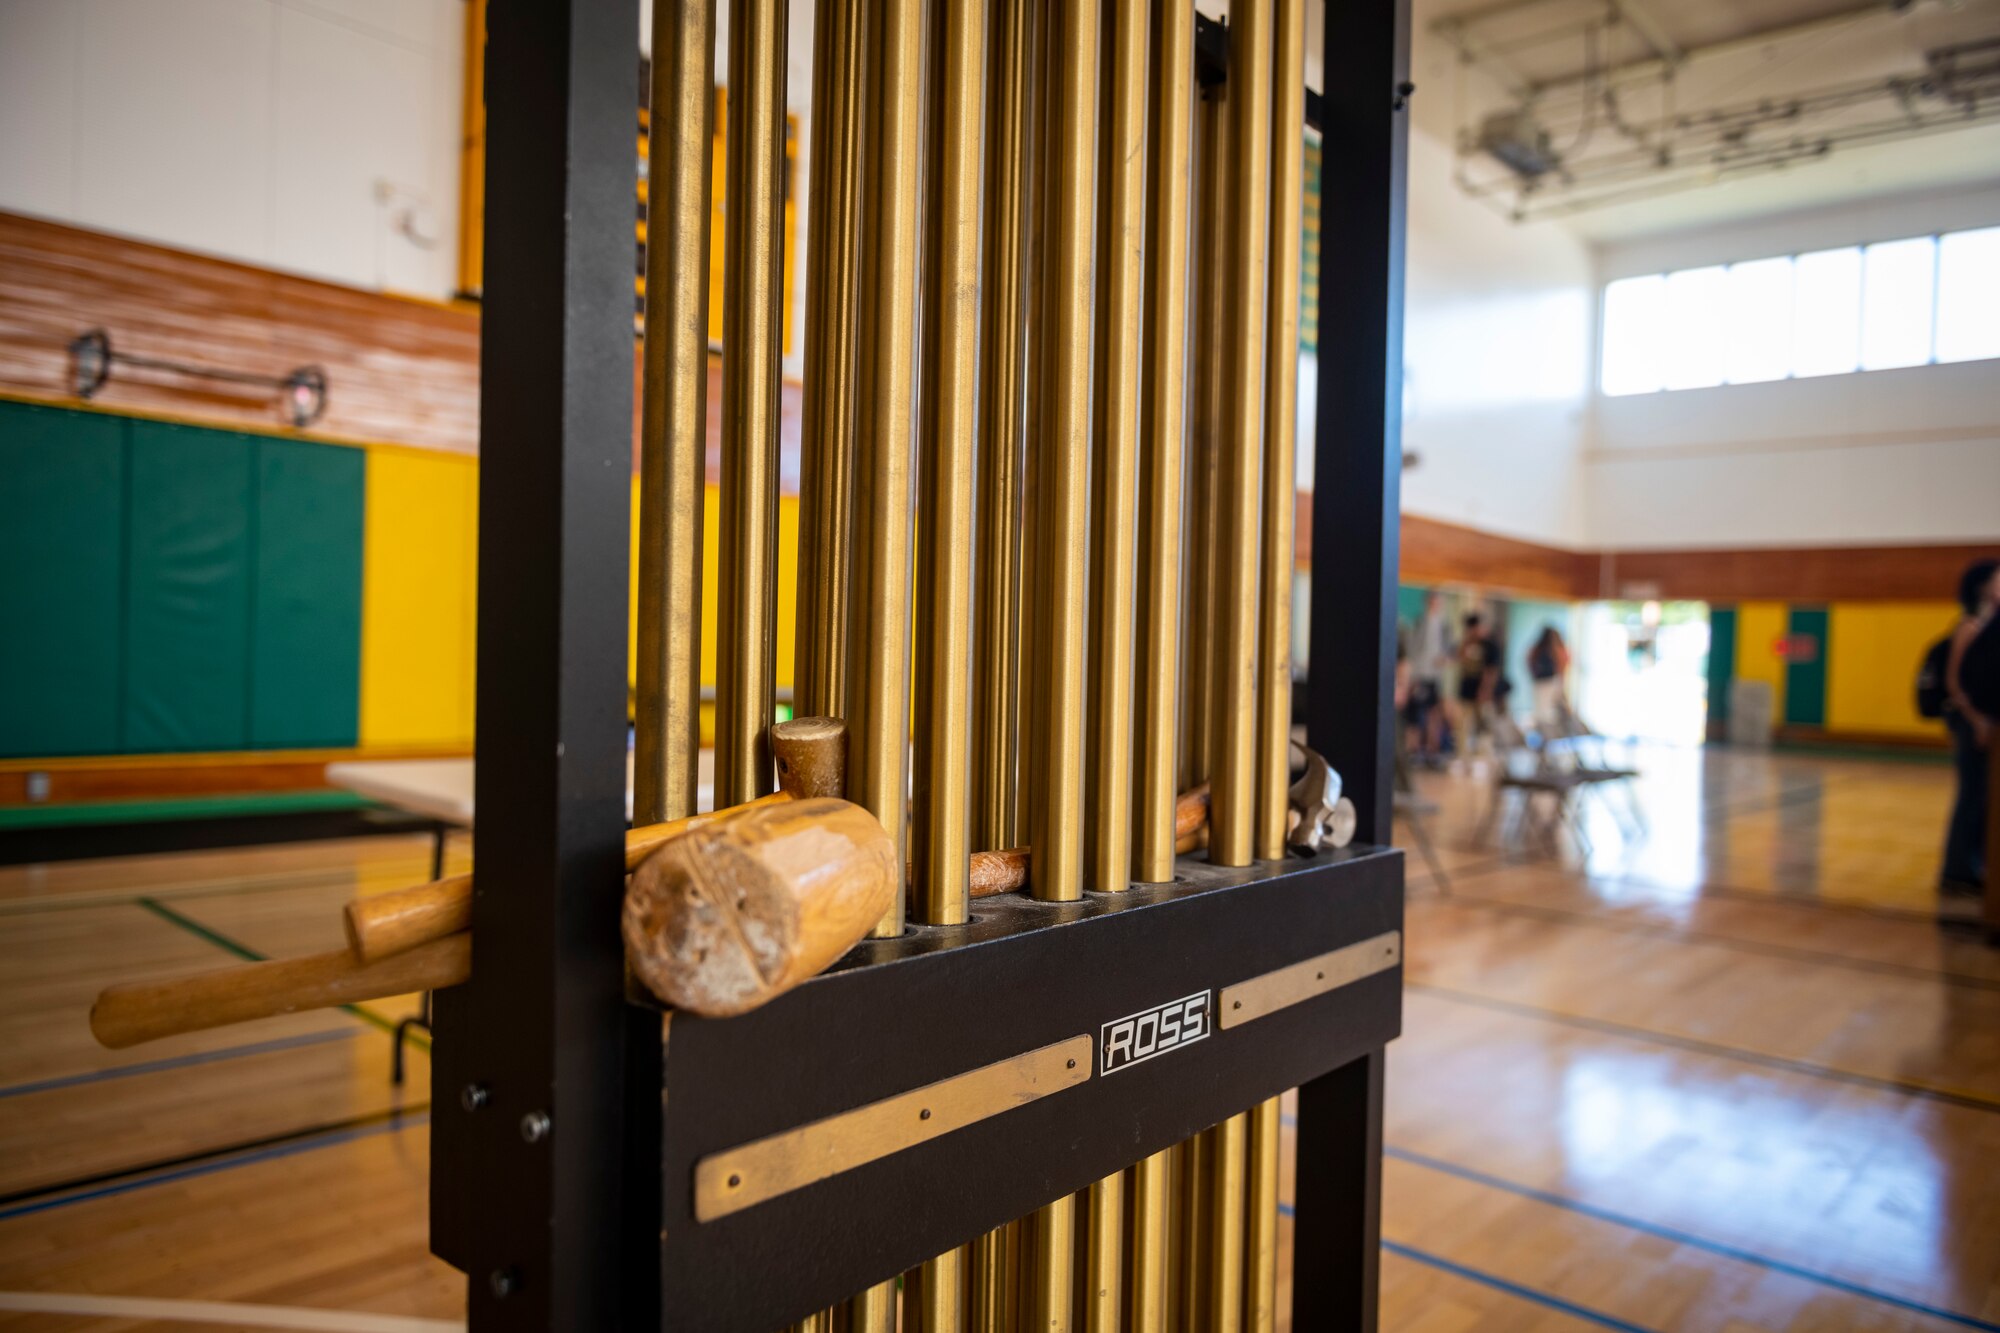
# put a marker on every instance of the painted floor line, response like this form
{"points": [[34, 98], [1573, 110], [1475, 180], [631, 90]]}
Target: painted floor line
{"points": [[250, 955], [1902, 1087], [1541, 1298], [392, 1121], [233, 1313], [1686, 1238], [1497, 1283], [180, 1061]]}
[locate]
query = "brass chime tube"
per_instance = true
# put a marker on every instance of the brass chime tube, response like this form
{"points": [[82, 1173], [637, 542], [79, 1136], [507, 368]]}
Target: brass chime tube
{"points": [[1055, 783], [1162, 440], [753, 244], [1103, 1255], [1051, 1266], [1121, 235], [1281, 422], [826, 437], [934, 1295], [673, 447], [1227, 1187], [941, 830], [1190, 1298], [1003, 354], [1208, 297], [1232, 760], [878, 704], [1146, 1298], [1261, 1292], [991, 1280], [1038, 247], [870, 1311]]}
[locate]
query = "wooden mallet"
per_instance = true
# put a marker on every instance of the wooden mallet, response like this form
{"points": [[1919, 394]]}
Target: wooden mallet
{"points": [[717, 922], [811, 755]]}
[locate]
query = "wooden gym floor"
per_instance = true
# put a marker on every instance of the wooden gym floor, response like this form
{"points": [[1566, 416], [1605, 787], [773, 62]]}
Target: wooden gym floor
{"points": [[1725, 1077]]}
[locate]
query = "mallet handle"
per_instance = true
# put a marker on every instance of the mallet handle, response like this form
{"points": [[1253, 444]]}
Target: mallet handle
{"points": [[137, 1011]]}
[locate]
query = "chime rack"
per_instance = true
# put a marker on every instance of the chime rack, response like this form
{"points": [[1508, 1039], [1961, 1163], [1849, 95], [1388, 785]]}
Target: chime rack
{"points": [[984, 503]]}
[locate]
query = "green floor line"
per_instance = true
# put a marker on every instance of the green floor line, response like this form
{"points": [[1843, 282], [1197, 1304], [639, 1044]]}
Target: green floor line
{"points": [[250, 955], [85, 813]]}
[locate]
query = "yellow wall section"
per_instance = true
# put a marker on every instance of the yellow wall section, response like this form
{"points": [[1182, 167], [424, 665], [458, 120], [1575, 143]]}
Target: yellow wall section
{"points": [[1759, 626], [1871, 671], [418, 599], [711, 563]]}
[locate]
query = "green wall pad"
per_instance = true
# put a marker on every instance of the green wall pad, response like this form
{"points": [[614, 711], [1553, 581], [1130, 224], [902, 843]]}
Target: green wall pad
{"points": [[305, 626], [1805, 668], [1721, 660], [62, 496], [187, 614]]}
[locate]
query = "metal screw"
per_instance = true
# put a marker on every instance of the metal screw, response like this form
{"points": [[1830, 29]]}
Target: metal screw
{"points": [[474, 1096], [535, 1126], [1072, 1064], [504, 1281], [734, 1181], [924, 1114]]}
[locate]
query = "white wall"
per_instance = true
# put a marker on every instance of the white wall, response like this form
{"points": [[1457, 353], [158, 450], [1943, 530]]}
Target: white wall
{"points": [[1496, 355], [1880, 457], [266, 131]]}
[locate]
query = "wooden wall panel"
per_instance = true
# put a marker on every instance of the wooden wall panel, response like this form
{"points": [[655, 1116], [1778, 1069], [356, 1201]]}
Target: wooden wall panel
{"points": [[1825, 574], [1436, 552], [399, 371]]}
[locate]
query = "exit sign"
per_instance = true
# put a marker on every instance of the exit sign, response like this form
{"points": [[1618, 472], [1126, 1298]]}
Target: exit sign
{"points": [[1796, 648]]}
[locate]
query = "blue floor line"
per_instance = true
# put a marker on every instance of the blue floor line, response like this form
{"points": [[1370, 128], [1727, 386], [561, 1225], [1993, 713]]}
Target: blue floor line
{"points": [[1512, 1288], [1515, 1289], [180, 1061], [223, 1164], [1685, 1238]]}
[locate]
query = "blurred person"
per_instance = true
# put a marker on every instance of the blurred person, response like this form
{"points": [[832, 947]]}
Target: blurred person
{"points": [[1427, 670], [1972, 700], [1480, 687], [1548, 665]]}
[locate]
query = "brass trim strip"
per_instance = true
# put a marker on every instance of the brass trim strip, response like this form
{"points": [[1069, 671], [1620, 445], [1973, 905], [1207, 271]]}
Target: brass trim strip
{"points": [[1266, 994], [737, 1178]]}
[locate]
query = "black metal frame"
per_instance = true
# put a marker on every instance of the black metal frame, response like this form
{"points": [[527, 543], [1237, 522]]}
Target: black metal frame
{"points": [[566, 1120]]}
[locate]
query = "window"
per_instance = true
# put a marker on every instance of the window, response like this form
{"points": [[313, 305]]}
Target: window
{"points": [[1827, 313], [1759, 329], [1898, 298], [1968, 319], [1910, 302]]}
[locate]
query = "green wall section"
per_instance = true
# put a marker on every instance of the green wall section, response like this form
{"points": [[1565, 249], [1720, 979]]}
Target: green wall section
{"points": [[1805, 681], [170, 588], [62, 496], [1721, 660], [305, 633], [187, 605]]}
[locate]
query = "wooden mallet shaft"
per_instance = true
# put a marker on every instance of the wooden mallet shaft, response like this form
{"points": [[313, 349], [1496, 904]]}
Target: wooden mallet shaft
{"points": [[137, 1011]]}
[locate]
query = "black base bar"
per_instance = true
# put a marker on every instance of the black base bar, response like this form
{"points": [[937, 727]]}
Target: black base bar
{"points": [[898, 1015]]}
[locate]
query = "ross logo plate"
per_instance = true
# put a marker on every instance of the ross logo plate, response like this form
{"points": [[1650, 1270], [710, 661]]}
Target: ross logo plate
{"points": [[1139, 1037]]}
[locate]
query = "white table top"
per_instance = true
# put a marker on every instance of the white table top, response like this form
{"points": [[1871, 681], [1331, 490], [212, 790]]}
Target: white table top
{"points": [[442, 788]]}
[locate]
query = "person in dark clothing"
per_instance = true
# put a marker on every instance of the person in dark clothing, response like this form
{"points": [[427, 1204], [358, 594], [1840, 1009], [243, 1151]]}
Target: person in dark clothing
{"points": [[1972, 687], [1479, 685], [1548, 663]]}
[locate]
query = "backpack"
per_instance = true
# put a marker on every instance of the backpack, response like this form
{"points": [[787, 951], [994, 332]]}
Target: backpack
{"points": [[1931, 693]]}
